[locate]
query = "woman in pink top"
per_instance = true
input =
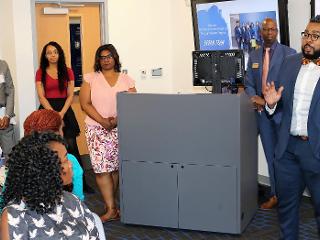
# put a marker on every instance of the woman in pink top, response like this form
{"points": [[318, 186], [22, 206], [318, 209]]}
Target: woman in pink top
{"points": [[98, 100]]}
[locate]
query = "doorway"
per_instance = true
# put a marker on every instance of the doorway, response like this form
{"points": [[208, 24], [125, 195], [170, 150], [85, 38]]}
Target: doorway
{"points": [[76, 50]]}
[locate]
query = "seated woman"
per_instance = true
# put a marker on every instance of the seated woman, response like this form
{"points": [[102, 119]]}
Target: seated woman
{"points": [[36, 207], [50, 120]]}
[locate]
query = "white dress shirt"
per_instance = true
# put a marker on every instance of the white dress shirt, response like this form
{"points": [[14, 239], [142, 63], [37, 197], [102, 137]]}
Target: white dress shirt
{"points": [[303, 91]]}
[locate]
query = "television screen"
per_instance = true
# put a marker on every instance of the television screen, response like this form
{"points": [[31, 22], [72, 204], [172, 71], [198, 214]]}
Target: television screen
{"points": [[222, 69], [315, 7], [231, 24], [236, 24]]}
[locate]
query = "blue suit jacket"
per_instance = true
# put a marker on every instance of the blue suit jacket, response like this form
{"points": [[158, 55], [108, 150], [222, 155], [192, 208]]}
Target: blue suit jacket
{"points": [[288, 77], [253, 82], [237, 32], [254, 70]]}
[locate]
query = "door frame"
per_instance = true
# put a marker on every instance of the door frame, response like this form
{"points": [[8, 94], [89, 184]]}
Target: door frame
{"points": [[103, 22]]}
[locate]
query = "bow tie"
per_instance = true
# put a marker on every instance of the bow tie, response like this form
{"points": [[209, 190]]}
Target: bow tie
{"points": [[306, 61]]}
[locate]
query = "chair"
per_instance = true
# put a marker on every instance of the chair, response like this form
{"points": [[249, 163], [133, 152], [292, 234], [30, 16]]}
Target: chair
{"points": [[99, 226]]}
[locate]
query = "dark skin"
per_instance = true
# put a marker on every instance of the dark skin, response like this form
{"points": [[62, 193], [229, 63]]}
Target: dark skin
{"points": [[113, 121], [269, 34], [107, 181], [111, 76], [309, 47]]}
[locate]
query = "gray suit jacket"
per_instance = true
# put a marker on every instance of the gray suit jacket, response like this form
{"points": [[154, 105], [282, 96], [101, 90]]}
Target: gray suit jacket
{"points": [[6, 89]]}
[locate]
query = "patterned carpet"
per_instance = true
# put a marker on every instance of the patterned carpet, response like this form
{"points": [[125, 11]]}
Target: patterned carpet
{"points": [[264, 226]]}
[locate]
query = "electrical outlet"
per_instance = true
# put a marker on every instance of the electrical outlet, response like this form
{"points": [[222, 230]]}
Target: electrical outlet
{"points": [[143, 73], [156, 72]]}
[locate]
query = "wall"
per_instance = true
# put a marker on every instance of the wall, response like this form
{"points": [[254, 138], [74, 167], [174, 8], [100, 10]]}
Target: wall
{"points": [[6, 23], [141, 32], [17, 49], [299, 13], [182, 45]]}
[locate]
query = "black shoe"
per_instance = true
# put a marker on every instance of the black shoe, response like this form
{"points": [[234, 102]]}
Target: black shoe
{"points": [[88, 189]]}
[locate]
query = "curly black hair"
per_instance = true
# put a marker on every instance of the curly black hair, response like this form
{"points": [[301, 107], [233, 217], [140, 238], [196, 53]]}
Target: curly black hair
{"points": [[34, 173]]}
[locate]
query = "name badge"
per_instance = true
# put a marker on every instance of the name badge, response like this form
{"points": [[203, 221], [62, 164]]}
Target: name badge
{"points": [[255, 65], [1, 78]]}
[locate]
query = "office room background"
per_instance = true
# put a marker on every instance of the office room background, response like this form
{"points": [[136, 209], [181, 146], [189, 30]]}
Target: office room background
{"points": [[149, 34]]}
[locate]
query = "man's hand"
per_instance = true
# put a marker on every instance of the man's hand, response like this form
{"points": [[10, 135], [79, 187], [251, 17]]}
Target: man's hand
{"points": [[258, 103], [4, 122], [271, 95]]}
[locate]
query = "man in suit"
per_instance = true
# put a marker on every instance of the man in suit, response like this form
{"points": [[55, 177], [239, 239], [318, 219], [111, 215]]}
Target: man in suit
{"points": [[297, 154], [238, 34], [257, 33], [261, 69], [246, 37], [7, 138]]}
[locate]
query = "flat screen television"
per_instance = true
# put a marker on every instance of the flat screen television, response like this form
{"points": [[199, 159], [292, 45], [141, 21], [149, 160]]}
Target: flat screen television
{"points": [[223, 70], [236, 24], [215, 21], [315, 7]]}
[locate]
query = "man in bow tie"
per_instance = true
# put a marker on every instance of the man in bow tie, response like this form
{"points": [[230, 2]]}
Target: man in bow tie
{"points": [[263, 66], [297, 154]]}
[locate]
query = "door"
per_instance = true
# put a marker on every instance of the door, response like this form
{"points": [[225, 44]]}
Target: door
{"points": [[149, 194], [208, 198], [83, 20]]}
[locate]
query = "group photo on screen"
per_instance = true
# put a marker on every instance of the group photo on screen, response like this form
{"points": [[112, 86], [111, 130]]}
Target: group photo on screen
{"points": [[246, 29], [224, 25], [235, 25]]}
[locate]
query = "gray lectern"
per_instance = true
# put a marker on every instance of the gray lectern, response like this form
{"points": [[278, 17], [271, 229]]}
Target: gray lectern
{"points": [[188, 161]]}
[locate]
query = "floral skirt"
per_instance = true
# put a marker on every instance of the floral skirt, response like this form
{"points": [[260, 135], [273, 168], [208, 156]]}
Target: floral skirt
{"points": [[103, 148]]}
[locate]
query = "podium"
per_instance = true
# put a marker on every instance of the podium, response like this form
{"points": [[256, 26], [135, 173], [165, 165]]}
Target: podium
{"points": [[188, 161]]}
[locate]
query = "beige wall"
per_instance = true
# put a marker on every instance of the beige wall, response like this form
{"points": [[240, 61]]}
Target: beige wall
{"points": [[17, 48], [141, 31], [7, 52]]}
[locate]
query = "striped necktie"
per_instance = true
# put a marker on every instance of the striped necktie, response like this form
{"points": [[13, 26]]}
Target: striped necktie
{"points": [[265, 68]]}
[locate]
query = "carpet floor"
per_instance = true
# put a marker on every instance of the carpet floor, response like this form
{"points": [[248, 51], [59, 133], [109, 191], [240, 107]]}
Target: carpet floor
{"points": [[264, 225]]}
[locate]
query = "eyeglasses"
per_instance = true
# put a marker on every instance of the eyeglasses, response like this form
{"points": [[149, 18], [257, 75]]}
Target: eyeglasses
{"points": [[269, 29], [314, 37], [109, 56]]}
